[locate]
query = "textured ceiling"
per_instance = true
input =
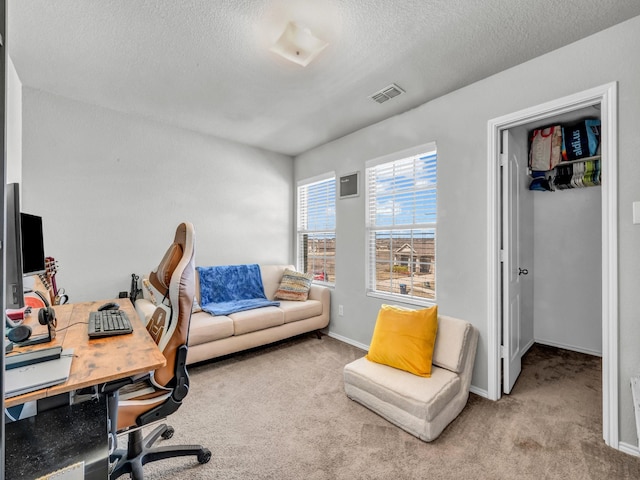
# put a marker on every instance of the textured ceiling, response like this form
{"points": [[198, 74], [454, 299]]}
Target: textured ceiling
{"points": [[205, 65]]}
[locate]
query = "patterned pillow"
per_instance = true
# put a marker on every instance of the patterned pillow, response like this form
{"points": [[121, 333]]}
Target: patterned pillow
{"points": [[294, 286]]}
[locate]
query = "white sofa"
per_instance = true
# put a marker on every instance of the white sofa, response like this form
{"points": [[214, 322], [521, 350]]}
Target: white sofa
{"points": [[214, 336], [421, 406]]}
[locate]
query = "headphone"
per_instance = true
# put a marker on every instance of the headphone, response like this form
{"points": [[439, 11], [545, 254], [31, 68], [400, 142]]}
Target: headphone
{"points": [[46, 316]]}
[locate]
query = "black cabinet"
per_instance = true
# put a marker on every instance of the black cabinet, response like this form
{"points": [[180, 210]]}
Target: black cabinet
{"points": [[57, 438]]}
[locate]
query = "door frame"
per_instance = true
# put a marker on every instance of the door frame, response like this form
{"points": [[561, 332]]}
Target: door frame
{"points": [[606, 96]]}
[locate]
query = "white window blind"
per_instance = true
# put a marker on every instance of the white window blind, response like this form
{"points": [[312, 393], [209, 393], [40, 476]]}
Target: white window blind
{"points": [[317, 229], [401, 226]]}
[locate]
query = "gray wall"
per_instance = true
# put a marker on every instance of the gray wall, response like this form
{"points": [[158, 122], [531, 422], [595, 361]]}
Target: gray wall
{"points": [[457, 122], [112, 188]]}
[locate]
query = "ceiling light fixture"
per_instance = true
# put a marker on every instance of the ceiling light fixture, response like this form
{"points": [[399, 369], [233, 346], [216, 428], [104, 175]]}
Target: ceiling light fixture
{"points": [[297, 44]]}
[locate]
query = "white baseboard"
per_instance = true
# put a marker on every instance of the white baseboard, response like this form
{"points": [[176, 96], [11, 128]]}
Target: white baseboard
{"points": [[479, 391], [628, 448], [526, 348], [573, 348], [359, 345]]}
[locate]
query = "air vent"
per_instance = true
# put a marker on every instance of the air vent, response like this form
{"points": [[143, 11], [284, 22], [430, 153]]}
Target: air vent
{"points": [[387, 93]]}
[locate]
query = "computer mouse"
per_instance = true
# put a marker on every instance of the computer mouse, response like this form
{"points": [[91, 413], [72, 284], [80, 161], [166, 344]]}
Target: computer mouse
{"points": [[109, 306]]}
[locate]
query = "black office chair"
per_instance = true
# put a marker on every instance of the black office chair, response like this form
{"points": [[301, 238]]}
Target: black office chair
{"points": [[160, 393]]}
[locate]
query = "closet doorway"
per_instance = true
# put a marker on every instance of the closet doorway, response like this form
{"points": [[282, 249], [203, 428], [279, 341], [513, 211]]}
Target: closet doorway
{"points": [[514, 215]]}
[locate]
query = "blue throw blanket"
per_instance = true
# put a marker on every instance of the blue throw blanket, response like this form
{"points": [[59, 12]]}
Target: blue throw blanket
{"points": [[231, 288]]}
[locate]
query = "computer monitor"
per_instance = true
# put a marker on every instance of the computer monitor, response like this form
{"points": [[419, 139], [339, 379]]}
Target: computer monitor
{"points": [[33, 259], [25, 247]]}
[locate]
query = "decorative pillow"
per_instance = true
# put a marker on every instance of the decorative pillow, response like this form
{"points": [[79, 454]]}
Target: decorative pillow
{"points": [[404, 339], [294, 286]]}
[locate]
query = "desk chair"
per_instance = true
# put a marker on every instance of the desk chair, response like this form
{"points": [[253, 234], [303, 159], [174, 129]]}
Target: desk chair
{"points": [[160, 393]]}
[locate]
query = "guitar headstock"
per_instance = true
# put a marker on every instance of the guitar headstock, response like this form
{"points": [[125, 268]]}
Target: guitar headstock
{"points": [[51, 266], [44, 278]]}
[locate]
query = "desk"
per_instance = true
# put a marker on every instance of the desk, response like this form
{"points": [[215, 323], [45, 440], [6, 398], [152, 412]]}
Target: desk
{"points": [[98, 360], [31, 448]]}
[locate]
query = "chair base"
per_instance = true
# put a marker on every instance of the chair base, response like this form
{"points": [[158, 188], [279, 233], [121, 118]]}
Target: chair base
{"points": [[140, 451]]}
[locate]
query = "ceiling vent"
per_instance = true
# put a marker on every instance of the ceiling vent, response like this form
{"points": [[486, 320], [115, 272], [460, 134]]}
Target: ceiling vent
{"points": [[387, 93]]}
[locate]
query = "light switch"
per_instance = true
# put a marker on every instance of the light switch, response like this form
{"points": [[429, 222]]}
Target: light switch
{"points": [[636, 213]]}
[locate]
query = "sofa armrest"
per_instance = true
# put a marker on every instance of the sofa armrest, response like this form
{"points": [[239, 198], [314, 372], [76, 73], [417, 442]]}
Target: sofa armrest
{"points": [[323, 294]]}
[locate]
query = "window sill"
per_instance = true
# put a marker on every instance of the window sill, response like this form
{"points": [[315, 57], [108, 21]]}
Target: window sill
{"points": [[403, 299]]}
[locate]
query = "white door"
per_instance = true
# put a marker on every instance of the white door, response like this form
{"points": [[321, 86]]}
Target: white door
{"points": [[514, 163]]}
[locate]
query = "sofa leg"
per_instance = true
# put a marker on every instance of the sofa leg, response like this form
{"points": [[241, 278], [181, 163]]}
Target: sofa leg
{"points": [[319, 334]]}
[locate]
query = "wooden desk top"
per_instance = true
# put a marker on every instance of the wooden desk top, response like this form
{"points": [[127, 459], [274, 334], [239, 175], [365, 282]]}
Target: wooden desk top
{"points": [[96, 360]]}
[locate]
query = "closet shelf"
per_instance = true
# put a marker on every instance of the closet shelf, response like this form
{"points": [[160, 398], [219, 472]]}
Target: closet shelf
{"points": [[565, 176], [580, 160], [568, 162]]}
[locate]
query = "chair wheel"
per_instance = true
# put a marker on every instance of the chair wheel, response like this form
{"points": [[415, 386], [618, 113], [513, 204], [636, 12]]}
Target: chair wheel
{"points": [[168, 433], [205, 456]]}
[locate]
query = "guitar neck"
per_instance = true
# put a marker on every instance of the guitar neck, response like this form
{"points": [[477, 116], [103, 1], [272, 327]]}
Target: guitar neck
{"points": [[51, 270]]}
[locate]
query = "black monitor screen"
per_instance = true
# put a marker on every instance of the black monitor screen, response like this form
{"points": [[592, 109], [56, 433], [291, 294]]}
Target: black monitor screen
{"points": [[32, 244]]}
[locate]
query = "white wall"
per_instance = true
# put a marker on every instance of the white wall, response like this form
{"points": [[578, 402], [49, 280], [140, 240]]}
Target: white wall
{"points": [[14, 125], [457, 122], [567, 269], [112, 188]]}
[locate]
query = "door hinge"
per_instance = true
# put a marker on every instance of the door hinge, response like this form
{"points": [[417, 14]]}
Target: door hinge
{"points": [[502, 255], [503, 159], [502, 355]]}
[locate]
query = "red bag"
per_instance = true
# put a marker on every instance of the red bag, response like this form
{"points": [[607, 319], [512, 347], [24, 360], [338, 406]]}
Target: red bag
{"points": [[546, 148]]}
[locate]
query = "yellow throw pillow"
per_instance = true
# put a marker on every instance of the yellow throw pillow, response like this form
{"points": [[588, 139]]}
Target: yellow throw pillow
{"points": [[404, 339]]}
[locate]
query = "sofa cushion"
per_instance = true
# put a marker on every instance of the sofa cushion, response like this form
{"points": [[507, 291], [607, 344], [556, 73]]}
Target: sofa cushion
{"points": [[294, 311], [206, 328], [452, 342], [421, 397], [294, 286], [257, 319], [404, 338]]}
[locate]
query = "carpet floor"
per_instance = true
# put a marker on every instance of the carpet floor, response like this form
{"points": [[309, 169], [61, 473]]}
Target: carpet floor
{"points": [[280, 412]]}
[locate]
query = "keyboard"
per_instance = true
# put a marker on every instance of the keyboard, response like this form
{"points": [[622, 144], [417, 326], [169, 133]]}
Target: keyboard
{"points": [[108, 323]]}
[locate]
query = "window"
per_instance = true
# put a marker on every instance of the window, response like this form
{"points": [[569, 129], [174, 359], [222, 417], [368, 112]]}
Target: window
{"points": [[401, 225], [317, 228]]}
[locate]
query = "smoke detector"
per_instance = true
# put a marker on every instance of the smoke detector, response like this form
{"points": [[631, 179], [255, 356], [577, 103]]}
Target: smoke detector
{"points": [[387, 93]]}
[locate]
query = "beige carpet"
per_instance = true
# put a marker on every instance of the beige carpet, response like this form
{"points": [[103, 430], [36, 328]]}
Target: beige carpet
{"points": [[281, 413]]}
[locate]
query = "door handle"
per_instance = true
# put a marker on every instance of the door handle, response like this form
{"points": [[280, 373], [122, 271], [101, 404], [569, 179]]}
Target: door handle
{"points": [[523, 271]]}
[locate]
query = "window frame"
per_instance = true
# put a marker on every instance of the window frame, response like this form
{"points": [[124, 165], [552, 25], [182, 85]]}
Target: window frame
{"points": [[371, 226], [324, 231]]}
